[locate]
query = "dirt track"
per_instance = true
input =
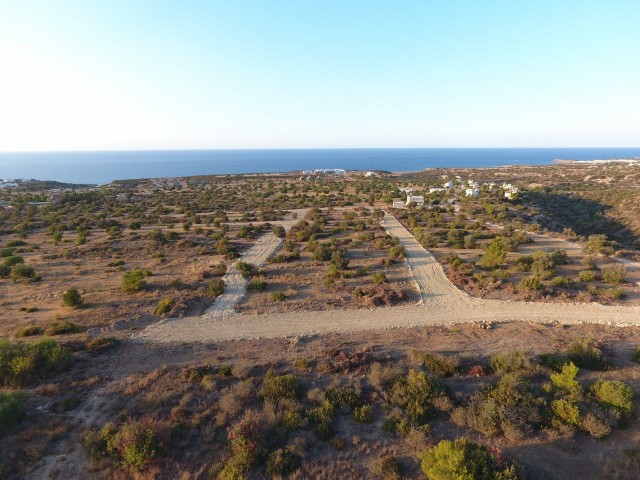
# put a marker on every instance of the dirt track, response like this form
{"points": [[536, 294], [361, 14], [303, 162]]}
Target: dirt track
{"points": [[257, 255], [442, 304]]}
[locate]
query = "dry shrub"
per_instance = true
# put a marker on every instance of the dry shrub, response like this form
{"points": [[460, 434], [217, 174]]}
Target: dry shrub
{"points": [[343, 361], [380, 294]]}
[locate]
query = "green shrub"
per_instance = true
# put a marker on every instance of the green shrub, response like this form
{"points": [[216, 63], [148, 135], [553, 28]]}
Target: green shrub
{"points": [[279, 387], [494, 255], [28, 331], [461, 459], [417, 395], [566, 411], [516, 361], [101, 344], [599, 244], [586, 354], [136, 442], [438, 364], [278, 297], [13, 261], [635, 357], [507, 408], [216, 287], [246, 269], [134, 281], [278, 231], [5, 271], [587, 276], [23, 272], [614, 394], [397, 252], [322, 417], [566, 380], [614, 274], [256, 285], [379, 277], [12, 409], [164, 306], [561, 282], [23, 364], [363, 414], [530, 283], [62, 327], [282, 462], [72, 298]]}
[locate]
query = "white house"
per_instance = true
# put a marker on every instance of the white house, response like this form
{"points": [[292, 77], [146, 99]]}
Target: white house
{"points": [[436, 189], [407, 190], [370, 174], [511, 192], [448, 185], [398, 204], [417, 199], [472, 192]]}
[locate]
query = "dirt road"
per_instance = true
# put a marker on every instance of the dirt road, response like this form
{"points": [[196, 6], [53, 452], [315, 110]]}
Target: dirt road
{"points": [[433, 285], [257, 255], [442, 304]]}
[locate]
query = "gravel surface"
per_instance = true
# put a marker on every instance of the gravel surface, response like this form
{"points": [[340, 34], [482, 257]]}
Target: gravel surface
{"points": [[441, 304]]}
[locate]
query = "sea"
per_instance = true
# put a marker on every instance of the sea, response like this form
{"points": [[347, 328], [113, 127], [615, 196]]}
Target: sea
{"points": [[102, 167]]}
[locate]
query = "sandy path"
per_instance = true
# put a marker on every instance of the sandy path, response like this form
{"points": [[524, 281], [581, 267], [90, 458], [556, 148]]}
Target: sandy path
{"points": [[433, 285], [257, 255]]}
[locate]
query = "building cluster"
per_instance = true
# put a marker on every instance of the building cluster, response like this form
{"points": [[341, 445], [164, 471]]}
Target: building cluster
{"points": [[470, 188], [338, 172], [9, 183]]}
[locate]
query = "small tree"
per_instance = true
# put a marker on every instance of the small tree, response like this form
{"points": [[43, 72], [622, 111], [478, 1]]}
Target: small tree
{"points": [[72, 298], [461, 459], [495, 254], [133, 281]]}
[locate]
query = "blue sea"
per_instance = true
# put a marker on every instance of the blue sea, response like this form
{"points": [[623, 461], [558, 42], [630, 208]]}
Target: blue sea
{"points": [[103, 167]]}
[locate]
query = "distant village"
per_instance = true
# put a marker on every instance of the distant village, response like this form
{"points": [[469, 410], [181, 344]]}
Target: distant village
{"points": [[470, 188]]}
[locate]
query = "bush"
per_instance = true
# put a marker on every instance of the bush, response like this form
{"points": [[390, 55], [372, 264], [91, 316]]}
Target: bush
{"points": [[22, 272], [23, 364], [417, 395], [256, 286], [516, 361], [13, 260], [561, 282], [278, 231], [72, 298], [136, 442], [614, 394], [216, 287], [586, 354], [12, 409], [387, 468], [494, 255], [566, 380], [397, 252], [635, 357], [461, 459], [280, 387], [379, 277], [322, 417], [587, 276], [246, 269], [278, 297], [101, 344], [282, 462], [164, 306], [134, 281], [438, 364], [363, 414], [28, 331], [531, 283], [62, 327], [599, 244], [566, 411], [614, 274]]}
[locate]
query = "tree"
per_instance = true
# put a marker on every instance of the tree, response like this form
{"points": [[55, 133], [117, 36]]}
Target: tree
{"points": [[461, 460], [495, 254]]}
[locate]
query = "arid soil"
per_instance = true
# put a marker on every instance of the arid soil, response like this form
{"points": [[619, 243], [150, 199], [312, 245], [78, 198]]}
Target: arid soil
{"points": [[443, 304]]}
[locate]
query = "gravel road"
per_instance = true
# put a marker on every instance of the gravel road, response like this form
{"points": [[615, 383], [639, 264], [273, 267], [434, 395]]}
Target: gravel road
{"points": [[442, 304]]}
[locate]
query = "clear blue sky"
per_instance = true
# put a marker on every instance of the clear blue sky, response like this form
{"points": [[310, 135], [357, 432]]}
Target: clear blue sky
{"points": [[276, 74]]}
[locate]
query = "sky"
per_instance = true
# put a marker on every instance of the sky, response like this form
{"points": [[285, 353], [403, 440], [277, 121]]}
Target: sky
{"points": [[110, 75]]}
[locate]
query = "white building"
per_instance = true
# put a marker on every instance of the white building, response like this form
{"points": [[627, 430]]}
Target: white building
{"points": [[436, 189], [472, 192], [398, 204], [417, 199], [448, 185], [370, 174]]}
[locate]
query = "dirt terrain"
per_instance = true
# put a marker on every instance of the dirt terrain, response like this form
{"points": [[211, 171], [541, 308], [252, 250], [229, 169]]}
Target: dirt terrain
{"points": [[443, 304]]}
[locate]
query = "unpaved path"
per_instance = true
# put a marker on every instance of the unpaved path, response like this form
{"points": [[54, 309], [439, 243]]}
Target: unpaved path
{"points": [[257, 255], [442, 304], [433, 285]]}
